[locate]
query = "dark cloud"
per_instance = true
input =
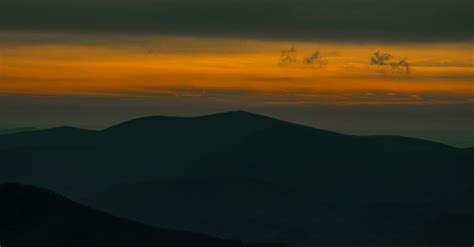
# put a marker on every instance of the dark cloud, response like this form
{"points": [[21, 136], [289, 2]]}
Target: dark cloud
{"points": [[315, 59], [384, 59], [345, 20], [402, 64], [288, 56], [380, 58]]}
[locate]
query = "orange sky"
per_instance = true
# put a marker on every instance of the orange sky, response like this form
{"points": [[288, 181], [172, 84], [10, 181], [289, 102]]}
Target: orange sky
{"points": [[231, 69]]}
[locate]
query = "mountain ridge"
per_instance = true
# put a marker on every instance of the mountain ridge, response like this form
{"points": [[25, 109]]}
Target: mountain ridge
{"points": [[148, 121], [151, 148]]}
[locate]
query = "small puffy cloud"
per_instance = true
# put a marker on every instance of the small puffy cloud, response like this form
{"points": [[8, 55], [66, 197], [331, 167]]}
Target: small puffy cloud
{"points": [[380, 58], [402, 64], [385, 59], [288, 56], [314, 59]]}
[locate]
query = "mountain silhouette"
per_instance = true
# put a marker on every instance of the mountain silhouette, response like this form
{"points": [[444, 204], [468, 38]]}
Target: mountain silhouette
{"points": [[30, 216], [77, 162], [329, 180]]}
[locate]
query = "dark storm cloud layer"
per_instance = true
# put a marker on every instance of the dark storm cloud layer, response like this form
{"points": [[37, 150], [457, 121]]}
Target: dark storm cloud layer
{"points": [[388, 20]]}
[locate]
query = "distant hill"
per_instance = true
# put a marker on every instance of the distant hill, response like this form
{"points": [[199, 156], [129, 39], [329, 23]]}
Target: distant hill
{"points": [[229, 207], [330, 179], [31, 216], [17, 130], [243, 208]]}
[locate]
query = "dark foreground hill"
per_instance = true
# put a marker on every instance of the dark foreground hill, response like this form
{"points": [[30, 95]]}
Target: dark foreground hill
{"points": [[331, 183], [30, 216]]}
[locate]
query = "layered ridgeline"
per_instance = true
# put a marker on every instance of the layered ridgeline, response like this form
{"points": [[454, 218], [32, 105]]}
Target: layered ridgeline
{"points": [[30, 216], [251, 177]]}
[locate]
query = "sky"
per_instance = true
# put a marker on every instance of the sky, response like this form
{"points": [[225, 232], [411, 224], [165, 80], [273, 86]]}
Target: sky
{"points": [[359, 66]]}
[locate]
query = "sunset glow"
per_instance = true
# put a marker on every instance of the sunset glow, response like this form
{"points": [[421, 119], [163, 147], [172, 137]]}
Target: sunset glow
{"points": [[231, 70]]}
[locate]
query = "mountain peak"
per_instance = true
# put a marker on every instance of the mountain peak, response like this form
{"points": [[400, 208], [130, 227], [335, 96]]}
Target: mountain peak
{"points": [[240, 112], [231, 119], [237, 113]]}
